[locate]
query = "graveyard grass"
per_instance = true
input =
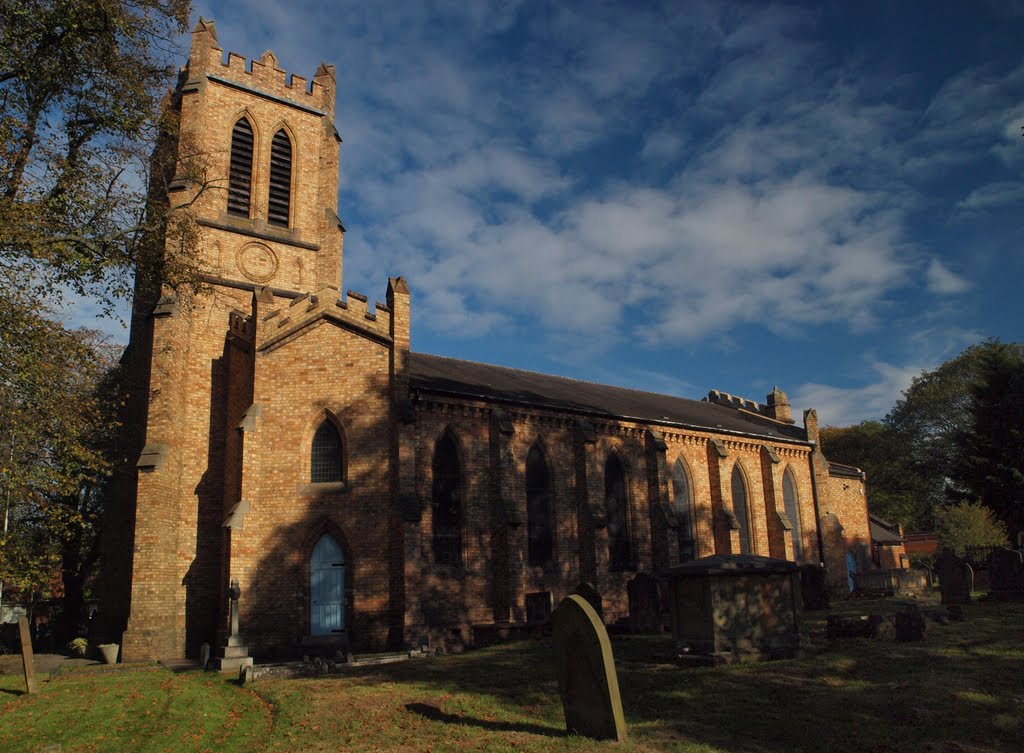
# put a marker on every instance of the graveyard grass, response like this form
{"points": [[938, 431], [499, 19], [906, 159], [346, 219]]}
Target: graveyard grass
{"points": [[962, 689]]}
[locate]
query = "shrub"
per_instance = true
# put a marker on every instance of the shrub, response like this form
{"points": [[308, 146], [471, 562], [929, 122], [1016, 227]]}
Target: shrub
{"points": [[78, 646], [968, 524]]}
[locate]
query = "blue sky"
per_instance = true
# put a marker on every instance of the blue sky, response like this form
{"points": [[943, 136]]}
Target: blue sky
{"points": [[681, 196]]}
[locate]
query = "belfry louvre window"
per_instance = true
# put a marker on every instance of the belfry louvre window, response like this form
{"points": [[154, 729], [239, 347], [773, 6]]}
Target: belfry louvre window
{"points": [[325, 459], [240, 171], [279, 205]]}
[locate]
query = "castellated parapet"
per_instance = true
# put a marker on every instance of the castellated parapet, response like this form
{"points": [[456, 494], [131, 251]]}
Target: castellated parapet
{"points": [[206, 59]]}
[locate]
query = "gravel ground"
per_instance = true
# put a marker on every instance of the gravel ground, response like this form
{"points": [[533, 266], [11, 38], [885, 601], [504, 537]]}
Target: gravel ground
{"points": [[10, 664]]}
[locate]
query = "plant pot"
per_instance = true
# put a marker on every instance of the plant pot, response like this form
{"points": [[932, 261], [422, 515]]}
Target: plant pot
{"points": [[109, 652]]}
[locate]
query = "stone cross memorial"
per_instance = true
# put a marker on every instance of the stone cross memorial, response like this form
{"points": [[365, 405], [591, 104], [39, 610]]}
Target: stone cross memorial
{"points": [[587, 680]]}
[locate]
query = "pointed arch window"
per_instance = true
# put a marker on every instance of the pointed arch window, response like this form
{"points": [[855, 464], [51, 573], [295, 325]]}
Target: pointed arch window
{"points": [[790, 502], [447, 503], [325, 464], [538, 510], [620, 553], [240, 170], [685, 513], [279, 201], [740, 507]]}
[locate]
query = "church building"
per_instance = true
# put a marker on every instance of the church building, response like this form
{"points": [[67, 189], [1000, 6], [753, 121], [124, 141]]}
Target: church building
{"points": [[284, 434]]}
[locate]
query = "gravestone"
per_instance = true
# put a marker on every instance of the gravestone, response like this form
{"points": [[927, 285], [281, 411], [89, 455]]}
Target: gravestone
{"points": [[587, 681], [1006, 574], [246, 674], [910, 625], [26, 655], [813, 588], [589, 592], [956, 579], [644, 604], [234, 655], [538, 608], [204, 655]]}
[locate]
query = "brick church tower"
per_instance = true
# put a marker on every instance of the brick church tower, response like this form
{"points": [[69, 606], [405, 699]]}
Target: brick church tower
{"points": [[271, 248]]}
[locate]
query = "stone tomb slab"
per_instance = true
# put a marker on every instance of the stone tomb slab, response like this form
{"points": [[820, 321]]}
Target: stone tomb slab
{"points": [[587, 681]]}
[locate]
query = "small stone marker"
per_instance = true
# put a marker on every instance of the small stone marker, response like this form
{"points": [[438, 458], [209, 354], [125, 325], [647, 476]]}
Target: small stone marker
{"points": [[910, 625], [246, 674], [1006, 574], [587, 680], [644, 604], [956, 578], [26, 655], [204, 655]]}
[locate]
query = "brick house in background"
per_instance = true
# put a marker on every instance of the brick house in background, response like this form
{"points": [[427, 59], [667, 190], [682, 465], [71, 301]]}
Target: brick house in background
{"points": [[288, 437]]}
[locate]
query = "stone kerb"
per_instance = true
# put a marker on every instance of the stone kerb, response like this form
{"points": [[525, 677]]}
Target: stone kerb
{"points": [[587, 681]]}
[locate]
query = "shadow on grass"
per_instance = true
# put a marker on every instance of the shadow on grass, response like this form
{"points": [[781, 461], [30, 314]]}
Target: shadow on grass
{"points": [[435, 714], [850, 695]]}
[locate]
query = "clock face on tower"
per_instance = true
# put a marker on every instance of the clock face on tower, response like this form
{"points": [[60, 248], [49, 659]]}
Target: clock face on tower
{"points": [[257, 262]]}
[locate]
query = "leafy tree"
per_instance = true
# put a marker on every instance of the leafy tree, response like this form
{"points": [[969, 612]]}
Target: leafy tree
{"points": [[89, 146], [57, 392], [968, 524], [990, 464], [81, 86], [911, 456], [894, 493]]}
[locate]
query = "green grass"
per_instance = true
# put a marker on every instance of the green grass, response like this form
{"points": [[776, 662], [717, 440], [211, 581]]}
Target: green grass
{"points": [[961, 690]]}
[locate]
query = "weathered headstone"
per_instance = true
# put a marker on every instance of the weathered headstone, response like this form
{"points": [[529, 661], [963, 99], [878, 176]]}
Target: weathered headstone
{"points": [[246, 674], [910, 625], [644, 604], [589, 592], [1006, 574], [956, 579], [587, 681], [26, 655], [204, 655], [813, 587], [538, 608]]}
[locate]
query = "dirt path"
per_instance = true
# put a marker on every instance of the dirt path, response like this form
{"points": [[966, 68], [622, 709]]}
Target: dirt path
{"points": [[10, 664]]}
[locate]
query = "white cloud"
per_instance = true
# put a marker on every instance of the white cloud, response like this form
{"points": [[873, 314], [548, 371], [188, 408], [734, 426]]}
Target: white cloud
{"points": [[843, 406], [941, 280], [993, 195]]}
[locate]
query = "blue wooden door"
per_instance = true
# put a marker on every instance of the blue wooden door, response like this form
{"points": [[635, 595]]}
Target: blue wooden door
{"points": [[327, 587], [851, 569]]}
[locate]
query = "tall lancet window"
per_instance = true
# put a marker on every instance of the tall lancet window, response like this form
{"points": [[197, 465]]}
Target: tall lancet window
{"points": [[789, 499], [279, 203], [740, 508], [240, 171], [620, 553], [685, 513], [538, 509], [447, 503], [325, 462]]}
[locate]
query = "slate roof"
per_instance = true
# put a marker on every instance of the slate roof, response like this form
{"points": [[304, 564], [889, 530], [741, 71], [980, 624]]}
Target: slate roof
{"points": [[882, 533], [451, 376], [846, 471]]}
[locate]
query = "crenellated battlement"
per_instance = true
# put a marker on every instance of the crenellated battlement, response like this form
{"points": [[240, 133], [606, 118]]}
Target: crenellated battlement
{"points": [[735, 401], [207, 59], [353, 312], [776, 408]]}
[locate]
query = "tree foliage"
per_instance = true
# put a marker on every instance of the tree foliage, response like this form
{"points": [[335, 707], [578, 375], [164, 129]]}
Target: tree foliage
{"points": [[88, 149], [912, 457], [81, 84], [968, 524], [990, 462]]}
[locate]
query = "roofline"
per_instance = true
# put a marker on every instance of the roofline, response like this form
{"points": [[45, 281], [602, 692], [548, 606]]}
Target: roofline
{"points": [[636, 419]]}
